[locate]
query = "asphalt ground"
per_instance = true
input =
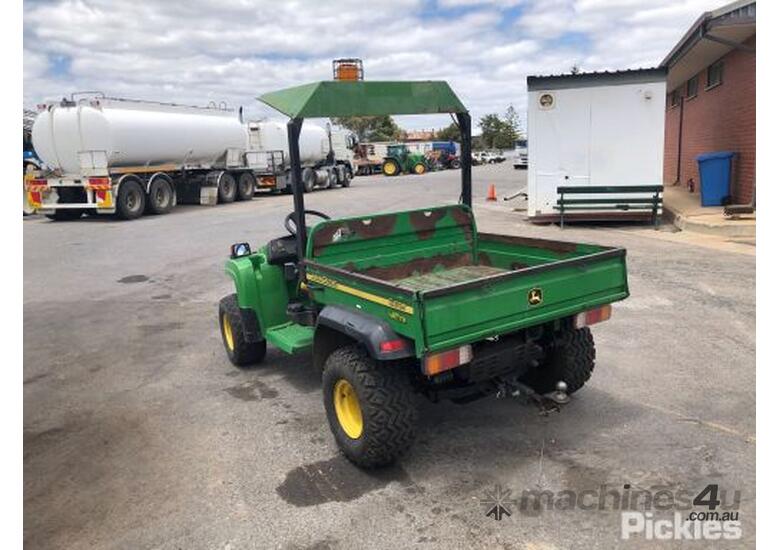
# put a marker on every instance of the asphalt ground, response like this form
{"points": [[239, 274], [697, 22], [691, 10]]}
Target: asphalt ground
{"points": [[138, 432]]}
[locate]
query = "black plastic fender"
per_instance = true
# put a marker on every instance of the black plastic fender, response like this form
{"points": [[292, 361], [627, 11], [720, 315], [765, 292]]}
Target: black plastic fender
{"points": [[337, 326]]}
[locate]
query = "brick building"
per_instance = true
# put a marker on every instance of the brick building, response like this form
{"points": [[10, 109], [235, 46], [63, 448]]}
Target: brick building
{"points": [[711, 97]]}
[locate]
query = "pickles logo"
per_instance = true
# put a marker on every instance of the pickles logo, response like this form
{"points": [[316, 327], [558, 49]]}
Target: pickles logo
{"points": [[535, 296]]}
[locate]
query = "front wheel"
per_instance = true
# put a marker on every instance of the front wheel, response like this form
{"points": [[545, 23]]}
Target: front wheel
{"points": [[420, 168], [240, 352], [369, 405], [571, 357]]}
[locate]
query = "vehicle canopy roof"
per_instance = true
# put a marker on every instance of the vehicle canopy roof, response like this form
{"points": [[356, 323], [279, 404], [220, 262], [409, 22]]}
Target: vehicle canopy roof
{"points": [[332, 98]]}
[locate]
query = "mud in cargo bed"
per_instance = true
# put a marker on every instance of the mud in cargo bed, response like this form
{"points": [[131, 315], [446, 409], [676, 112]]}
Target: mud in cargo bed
{"points": [[448, 277], [433, 249]]}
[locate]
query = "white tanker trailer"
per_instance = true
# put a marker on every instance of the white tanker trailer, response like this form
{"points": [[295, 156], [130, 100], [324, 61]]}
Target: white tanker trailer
{"points": [[326, 155], [128, 157]]}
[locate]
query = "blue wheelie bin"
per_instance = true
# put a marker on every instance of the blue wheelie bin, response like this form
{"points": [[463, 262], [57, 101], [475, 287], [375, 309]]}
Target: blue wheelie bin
{"points": [[715, 177]]}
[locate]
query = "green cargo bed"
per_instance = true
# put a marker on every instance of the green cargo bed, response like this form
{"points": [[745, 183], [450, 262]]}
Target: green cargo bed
{"points": [[437, 281]]}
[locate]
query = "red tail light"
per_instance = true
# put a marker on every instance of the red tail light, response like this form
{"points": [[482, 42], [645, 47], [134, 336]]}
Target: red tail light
{"points": [[446, 360], [592, 316], [392, 345]]}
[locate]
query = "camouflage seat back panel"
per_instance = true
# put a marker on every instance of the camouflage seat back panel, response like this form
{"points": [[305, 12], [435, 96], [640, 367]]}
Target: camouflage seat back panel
{"points": [[383, 240]]}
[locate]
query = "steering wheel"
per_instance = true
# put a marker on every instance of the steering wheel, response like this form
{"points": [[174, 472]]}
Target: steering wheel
{"points": [[289, 221]]}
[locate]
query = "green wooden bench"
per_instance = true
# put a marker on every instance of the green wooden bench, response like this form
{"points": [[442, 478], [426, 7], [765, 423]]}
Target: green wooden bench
{"points": [[569, 198]]}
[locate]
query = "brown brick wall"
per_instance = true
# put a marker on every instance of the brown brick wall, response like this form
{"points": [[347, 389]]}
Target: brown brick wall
{"points": [[722, 118]]}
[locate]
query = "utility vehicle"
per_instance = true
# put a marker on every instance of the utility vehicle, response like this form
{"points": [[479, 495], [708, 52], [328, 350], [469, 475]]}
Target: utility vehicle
{"points": [[398, 305]]}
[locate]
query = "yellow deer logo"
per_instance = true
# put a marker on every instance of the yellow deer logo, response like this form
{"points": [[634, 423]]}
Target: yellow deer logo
{"points": [[535, 296]]}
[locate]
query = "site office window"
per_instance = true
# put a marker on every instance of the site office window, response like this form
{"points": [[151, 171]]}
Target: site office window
{"points": [[692, 87], [715, 74]]}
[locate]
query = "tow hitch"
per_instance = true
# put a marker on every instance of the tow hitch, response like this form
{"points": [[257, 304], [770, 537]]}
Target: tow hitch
{"points": [[546, 403]]}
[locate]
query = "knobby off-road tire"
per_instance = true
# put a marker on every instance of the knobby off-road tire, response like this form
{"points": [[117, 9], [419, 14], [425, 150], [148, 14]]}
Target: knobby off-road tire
{"points": [[571, 358], [386, 406], [240, 352]]}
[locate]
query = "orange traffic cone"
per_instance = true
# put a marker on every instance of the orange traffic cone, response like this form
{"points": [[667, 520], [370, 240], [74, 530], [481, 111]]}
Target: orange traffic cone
{"points": [[491, 196]]}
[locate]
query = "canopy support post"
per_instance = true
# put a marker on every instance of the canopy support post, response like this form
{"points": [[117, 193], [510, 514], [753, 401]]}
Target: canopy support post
{"points": [[464, 122], [293, 133]]}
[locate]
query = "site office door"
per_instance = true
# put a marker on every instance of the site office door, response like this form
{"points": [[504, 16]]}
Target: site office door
{"points": [[559, 131]]}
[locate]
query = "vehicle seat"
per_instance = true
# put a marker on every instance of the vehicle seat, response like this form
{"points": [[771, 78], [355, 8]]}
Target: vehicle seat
{"points": [[282, 251]]}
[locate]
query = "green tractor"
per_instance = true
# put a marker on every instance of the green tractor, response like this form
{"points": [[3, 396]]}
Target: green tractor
{"points": [[400, 160], [396, 306]]}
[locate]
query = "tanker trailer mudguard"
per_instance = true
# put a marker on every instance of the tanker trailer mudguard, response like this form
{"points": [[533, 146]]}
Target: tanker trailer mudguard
{"points": [[415, 302]]}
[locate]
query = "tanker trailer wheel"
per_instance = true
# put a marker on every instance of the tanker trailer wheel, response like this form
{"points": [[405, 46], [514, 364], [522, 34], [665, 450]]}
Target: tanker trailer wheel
{"points": [[348, 175], [246, 186], [333, 178], [570, 357], [131, 200], [160, 199], [226, 188], [309, 179], [370, 406]]}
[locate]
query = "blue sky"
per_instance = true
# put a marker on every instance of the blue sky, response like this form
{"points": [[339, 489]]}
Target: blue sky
{"points": [[207, 50]]}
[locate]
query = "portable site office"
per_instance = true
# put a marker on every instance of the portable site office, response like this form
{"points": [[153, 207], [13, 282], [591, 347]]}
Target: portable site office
{"points": [[595, 130]]}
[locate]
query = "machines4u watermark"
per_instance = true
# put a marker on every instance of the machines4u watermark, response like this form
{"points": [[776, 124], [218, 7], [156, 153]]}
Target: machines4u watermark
{"points": [[658, 512]]}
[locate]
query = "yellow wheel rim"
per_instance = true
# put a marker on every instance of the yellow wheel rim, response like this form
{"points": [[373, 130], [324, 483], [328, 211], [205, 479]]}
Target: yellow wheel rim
{"points": [[419, 169], [227, 330], [345, 401], [389, 168]]}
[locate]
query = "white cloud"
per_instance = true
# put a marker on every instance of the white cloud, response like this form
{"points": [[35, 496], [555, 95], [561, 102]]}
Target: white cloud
{"points": [[203, 50]]}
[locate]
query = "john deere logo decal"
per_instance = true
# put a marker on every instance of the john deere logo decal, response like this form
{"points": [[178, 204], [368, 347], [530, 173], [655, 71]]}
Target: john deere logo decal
{"points": [[535, 296]]}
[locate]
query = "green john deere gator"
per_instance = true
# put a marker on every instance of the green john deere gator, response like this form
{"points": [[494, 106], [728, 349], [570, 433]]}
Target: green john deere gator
{"points": [[416, 302]]}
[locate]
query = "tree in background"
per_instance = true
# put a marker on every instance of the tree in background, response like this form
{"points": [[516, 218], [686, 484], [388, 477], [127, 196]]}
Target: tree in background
{"points": [[371, 128], [500, 133], [450, 133], [512, 119]]}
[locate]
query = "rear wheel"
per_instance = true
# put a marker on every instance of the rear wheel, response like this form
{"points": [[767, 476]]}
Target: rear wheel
{"points": [[369, 405], [246, 186], [455, 164], [130, 200], [333, 178], [347, 181], [571, 357], [390, 168], [240, 352], [226, 188], [160, 199], [309, 178]]}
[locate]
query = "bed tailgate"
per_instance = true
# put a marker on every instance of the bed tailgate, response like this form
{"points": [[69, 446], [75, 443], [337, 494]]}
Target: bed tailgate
{"points": [[474, 310]]}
